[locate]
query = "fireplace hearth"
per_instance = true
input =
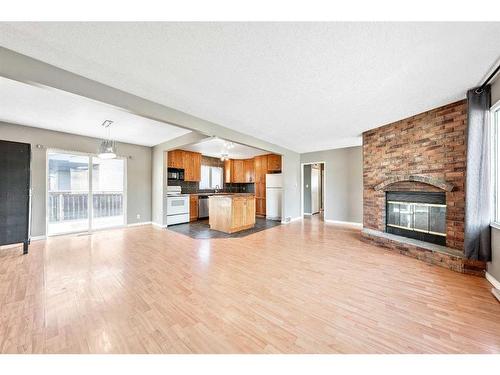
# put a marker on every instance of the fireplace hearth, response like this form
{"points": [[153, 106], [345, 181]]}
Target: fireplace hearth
{"points": [[418, 215]]}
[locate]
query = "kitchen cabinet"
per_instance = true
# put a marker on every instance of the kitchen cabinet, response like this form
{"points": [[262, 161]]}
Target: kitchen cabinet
{"points": [[249, 170], [192, 166], [228, 171], [273, 163], [196, 166], [232, 213], [175, 159], [187, 160], [260, 167], [238, 171], [193, 207]]}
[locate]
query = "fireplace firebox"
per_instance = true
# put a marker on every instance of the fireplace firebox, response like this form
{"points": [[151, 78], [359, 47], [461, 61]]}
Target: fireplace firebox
{"points": [[418, 215]]}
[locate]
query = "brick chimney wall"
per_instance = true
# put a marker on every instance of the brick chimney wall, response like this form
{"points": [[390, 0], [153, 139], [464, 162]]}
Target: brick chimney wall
{"points": [[430, 144]]}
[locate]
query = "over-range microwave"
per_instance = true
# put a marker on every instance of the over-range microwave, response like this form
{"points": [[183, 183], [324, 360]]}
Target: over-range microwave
{"points": [[175, 174]]}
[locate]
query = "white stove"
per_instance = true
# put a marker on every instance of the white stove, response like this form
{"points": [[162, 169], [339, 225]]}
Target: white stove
{"points": [[177, 206]]}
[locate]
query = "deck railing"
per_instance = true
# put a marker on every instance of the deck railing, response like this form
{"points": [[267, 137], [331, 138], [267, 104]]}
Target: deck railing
{"points": [[65, 205]]}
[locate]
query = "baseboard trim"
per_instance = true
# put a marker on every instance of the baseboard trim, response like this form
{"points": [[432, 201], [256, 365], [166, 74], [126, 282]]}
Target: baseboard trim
{"points": [[496, 293], [293, 219], [156, 225], [38, 238], [492, 280], [347, 223], [139, 224]]}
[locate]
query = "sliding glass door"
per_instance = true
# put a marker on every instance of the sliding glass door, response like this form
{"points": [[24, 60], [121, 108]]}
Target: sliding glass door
{"points": [[68, 193], [108, 192], [84, 193]]}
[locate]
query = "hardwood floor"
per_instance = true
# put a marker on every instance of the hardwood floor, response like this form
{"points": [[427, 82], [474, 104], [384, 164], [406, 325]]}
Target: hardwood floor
{"points": [[306, 287]]}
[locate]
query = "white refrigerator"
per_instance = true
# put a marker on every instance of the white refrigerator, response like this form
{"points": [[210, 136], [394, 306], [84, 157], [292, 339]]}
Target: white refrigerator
{"points": [[274, 195]]}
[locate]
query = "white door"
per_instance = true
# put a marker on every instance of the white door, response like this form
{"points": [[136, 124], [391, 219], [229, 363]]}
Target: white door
{"points": [[315, 190]]}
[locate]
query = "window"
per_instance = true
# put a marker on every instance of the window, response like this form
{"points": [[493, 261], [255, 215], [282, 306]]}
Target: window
{"points": [[211, 177], [495, 116]]}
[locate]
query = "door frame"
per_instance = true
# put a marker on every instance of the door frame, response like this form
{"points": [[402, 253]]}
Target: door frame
{"points": [[302, 187], [90, 195]]}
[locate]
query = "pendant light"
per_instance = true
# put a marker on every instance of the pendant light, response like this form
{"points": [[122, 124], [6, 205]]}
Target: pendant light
{"points": [[107, 148]]}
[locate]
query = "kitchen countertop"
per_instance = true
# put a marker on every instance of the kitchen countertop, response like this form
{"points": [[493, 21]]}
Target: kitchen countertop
{"points": [[223, 193], [234, 195]]}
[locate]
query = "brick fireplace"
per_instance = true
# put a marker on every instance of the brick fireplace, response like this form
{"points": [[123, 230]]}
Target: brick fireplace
{"points": [[423, 157]]}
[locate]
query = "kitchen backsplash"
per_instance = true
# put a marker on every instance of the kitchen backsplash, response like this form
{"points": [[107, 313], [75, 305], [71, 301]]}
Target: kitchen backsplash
{"points": [[193, 187]]}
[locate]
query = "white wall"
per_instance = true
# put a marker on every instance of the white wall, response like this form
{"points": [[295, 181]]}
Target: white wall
{"points": [[138, 169], [343, 193]]}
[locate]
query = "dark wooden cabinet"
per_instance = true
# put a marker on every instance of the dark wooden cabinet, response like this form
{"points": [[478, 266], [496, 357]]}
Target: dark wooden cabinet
{"points": [[15, 186]]}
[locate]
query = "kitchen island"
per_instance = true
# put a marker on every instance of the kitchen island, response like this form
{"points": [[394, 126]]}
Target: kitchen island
{"points": [[231, 213]]}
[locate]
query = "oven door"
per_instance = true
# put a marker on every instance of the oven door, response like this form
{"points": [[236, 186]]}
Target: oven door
{"points": [[177, 205]]}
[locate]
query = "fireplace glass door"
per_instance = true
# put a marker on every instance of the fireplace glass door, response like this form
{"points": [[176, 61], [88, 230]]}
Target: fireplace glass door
{"points": [[419, 217]]}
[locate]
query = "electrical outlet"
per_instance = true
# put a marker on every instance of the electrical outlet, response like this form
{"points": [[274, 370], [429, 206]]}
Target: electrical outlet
{"points": [[138, 216]]}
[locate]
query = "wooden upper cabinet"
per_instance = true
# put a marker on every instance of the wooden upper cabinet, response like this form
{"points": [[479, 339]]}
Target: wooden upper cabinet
{"points": [[187, 163], [187, 160], [274, 163], [175, 159], [249, 170], [228, 171], [196, 166], [238, 171]]}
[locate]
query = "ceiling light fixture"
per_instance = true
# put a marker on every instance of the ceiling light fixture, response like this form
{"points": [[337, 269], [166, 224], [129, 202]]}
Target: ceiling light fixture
{"points": [[224, 156], [107, 148]]}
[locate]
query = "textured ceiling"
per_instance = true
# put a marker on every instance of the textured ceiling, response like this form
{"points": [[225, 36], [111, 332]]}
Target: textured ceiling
{"points": [[57, 110], [304, 86]]}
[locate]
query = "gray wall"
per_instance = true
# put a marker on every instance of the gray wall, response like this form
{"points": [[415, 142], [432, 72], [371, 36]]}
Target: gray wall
{"points": [[494, 266], [307, 189], [138, 169], [343, 193]]}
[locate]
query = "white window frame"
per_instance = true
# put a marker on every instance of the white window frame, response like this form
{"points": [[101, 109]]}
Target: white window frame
{"points": [[495, 162], [211, 185]]}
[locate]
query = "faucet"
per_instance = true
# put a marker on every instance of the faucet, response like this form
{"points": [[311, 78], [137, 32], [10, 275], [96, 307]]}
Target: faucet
{"points": [[216, 188]]}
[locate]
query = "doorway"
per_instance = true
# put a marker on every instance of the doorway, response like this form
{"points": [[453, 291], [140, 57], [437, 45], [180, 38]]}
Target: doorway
{"points": [[313, 190], [84, 192]]}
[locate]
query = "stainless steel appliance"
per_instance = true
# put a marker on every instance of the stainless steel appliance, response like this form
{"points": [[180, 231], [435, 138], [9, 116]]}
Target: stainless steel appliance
{"points": [[177, 206], [203, 206], [175, 174]]}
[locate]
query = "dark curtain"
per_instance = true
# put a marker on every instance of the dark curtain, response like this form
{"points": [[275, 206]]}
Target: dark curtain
{"points": [[477, 186]]}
